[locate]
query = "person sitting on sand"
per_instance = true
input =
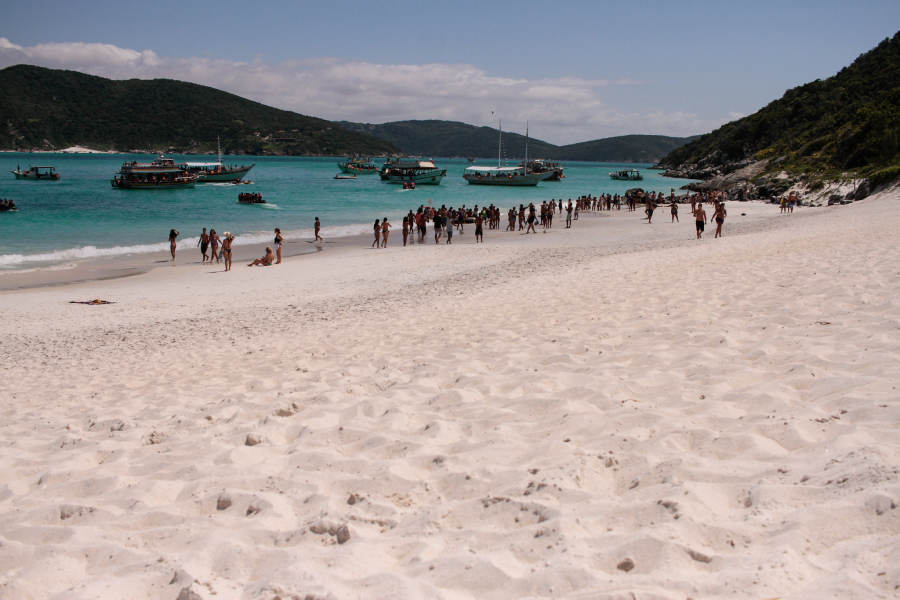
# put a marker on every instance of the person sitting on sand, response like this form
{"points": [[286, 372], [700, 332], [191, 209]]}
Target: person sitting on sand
{"points": [[265, 261]]}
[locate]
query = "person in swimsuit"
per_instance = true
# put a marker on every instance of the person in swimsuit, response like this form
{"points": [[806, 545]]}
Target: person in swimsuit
{"points": [[651, 206], [700, 217], [531, 219], [172, 243], [405, 229], [448, 226], [479, 232], [377, 230], [438, 223], [203, 242], [226, 250], [318, 226], [278, 241], [265, 261], [674, 206], [569, 210], [719, 216], [384, 232], [214, 242]]}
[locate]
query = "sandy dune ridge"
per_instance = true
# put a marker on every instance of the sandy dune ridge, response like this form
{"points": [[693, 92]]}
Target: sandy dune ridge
{"points": [[613, 411]]}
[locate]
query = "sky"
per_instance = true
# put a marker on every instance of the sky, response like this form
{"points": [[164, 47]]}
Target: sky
{"points": [[574, 71]]}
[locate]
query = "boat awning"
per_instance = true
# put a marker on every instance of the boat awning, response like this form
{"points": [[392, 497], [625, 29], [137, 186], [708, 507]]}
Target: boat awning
{"points": [[43, 167], [193, 164], [425, 164], [495, 169]]}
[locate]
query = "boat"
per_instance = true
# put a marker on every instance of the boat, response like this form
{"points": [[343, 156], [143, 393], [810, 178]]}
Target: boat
{"points": [[7, 205], [542, 166], [37, 173], [509, 176], [358, 166], [470, 159], [345, 176], [251, 198], [161, 174], [627, 175], [211, 172], [418, 171]]}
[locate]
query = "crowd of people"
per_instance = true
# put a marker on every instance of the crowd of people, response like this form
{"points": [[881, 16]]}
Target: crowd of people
{"points": [[445, 222], [251, 198], [7, 204]]}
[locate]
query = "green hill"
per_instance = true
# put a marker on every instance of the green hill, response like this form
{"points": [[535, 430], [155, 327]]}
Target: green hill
{"points": [[850, 121], [451, 138], [54, 109]]}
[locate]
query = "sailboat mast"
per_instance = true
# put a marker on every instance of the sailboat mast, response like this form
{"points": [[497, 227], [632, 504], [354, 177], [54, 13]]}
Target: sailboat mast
{"points": [[526, 147], [500, 144], [219, 147]]}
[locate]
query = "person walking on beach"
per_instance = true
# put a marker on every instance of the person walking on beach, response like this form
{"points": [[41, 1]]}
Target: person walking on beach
{"points": [[377, 242], [384, 232], [700, 218], [448, 226], [203, 242], [277, 243], [569, 215], [531, 219], [719, 216], [405, 229], [318, 227], [174, 233], [214, 242], [522, 216], [650, 208], [226, 250], [674, 209], [479, 231], [438, 223]]}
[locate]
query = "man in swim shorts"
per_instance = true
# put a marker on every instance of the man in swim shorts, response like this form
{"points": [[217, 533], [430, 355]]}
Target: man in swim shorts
{"points": [[203, 242], [700, 216]]}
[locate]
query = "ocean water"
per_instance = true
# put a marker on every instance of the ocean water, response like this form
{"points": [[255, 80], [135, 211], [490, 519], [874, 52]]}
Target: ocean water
{"points": [[82, 218]]}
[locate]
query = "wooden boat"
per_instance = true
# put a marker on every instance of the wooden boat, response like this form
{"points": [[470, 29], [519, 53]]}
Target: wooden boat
{"points": [[210, 172], [358, 166], [414, 171], [542, 166], [37, 173], [161, 174], [627, 175], [507, 176]]}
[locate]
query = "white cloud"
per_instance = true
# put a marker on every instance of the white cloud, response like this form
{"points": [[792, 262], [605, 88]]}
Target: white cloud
{"points": [[562, 110], [736, 115]]}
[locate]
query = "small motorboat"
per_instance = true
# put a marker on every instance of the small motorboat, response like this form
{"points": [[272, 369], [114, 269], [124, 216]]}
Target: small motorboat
{"points": [[409, 185], [7, 205], [251, 199], [345, 176], [239, 182], [37, 173]]}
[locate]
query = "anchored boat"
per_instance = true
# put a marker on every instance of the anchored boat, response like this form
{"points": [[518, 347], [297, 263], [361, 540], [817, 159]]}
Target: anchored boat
{"points": [[412, 170], [37, 173], [627, 175], [515, 176], [358, 166], [161, 174], [543, 166], [215, 171]]}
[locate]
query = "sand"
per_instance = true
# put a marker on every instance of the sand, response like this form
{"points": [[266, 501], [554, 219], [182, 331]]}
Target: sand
{"points": [[613, 411]]}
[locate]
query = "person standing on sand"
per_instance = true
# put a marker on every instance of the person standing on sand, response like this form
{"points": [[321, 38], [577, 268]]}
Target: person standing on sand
{"points": [[674, 209], [384, 232], [438, 223], [278, 241], [172, 243], [479, 232], [651, 206], [719, 216], [448, 226], [226, 250], [203, 242], [531, 219], [569, 215], [377, 242], [214, 241], [318, 227], [405, 229], [700, 218]]}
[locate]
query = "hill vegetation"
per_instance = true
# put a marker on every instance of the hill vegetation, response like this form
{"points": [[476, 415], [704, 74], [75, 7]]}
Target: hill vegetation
{"points": [[451, 138], [848, 122], [55, 109]]}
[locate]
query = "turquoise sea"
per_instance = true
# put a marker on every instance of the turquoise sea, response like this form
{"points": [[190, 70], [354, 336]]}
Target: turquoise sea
{"points": [[82, 218]]}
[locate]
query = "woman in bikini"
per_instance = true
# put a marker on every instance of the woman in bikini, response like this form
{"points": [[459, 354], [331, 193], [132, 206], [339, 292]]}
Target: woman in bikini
{"points": [[172, 243], [214, 242], [719, 215], [265, 261], [278, 240], [674, 206], [226, 250], [384, 232], [377, 242], [405, 229]]}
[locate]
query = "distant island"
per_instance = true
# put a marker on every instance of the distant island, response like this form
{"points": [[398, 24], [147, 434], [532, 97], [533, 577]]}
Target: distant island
{"points": [[50, 109], [452, 138], [843, 127]]}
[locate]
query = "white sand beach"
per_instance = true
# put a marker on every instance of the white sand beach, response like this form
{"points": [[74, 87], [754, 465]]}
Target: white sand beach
{"points": [[613, 411]]}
